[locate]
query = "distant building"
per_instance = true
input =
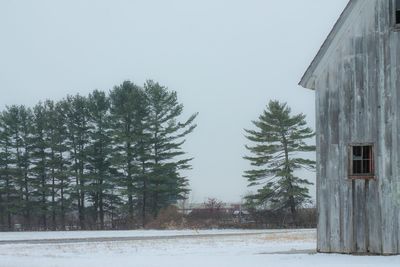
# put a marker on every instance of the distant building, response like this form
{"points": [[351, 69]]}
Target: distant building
{"points": [[228, 208]]}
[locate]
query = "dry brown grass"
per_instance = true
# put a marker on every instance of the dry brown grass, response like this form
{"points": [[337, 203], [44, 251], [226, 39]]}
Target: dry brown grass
{"points": [[289, 237]]}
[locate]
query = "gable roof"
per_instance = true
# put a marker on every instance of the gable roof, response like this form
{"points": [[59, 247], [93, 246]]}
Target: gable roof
{"points": [[308, 75]]}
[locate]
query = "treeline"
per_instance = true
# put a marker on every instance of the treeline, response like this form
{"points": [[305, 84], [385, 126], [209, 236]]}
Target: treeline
{"points": [[91, 162]]}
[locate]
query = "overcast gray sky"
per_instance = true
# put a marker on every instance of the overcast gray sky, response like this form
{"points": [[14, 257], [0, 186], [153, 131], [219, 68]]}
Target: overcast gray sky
{"points": [[225, 58]]}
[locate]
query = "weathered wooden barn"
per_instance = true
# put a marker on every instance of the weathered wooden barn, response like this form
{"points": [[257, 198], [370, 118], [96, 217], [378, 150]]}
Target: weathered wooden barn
{"points": [[356, 78]]}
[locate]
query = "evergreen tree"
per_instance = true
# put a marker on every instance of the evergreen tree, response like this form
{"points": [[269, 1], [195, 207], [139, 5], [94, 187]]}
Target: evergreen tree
{"points": [[99, 154], [143, 148], [60, 163], [8, 189], [141, 144], [76, 109], [167, 137], [123, 109], [19, 119], [39, 161], [278, 139], [26, 118]]}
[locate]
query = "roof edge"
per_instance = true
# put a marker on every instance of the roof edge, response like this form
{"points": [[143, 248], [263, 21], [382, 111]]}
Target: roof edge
{"points": [[308, 80]]}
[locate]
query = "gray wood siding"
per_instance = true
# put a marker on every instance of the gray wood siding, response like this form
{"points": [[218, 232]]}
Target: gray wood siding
{"points": [[357, 101]]}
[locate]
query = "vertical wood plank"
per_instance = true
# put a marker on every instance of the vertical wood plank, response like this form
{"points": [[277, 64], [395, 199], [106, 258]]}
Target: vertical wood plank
{"points": [[322, 164]]}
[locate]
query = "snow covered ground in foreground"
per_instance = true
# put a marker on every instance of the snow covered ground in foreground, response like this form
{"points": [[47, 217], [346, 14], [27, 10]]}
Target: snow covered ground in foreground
{"points": [[264, 249]]}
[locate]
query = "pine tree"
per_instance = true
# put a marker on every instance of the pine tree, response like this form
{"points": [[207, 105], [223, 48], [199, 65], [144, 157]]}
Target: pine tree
{"points": [[59, 164], [123, 109], [18, 121], [77, 126], [277, 141], [8, 189], [142, 150], [39, 161], [99, 152], [167, 137], [3, 175]]}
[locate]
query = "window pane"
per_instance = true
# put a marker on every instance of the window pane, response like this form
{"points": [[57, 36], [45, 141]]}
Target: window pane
{"points": [[397, 4], [366, 166], [367, 152], [397, 16], [357, 153], [357, 166]]}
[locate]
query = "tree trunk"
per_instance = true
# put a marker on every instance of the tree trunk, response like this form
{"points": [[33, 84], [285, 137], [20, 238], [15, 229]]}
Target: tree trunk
{"points": [[77, 182], [53, 203], [82, 216], [44, 213], [155, 193], [293, 210], [82, 210], [53, 193], [8, 199], [1, 210], [26, 183], [96, 206], [9, 221], [292, 202], [130, 181], [144, 200], [101, 205], [27, 203], [62, 208]]}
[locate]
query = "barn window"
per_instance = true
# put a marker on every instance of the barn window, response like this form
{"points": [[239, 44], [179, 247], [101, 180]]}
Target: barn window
{"points": [[361, 162], [397, 13]]}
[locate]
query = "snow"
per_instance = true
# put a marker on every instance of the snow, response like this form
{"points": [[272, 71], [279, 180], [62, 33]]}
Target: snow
{"points": [[108, 234], [265, 248]]}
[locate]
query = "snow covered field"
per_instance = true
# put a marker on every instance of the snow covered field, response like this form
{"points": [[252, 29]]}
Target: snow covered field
{"points": [[110, 234], [230, 248]]}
